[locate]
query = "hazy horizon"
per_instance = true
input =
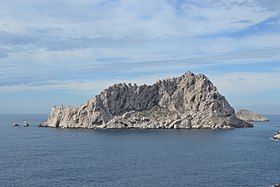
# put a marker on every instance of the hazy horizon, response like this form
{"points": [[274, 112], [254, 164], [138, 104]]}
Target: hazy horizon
{"points": [[65, 52]]}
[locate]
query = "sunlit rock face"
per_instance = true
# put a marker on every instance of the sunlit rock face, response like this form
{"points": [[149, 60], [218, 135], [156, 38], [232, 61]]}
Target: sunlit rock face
{"points": [[188, 101], [248, 115]]}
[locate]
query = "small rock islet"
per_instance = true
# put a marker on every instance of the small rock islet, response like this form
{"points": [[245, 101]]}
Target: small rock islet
{"points": [[250, 116]]}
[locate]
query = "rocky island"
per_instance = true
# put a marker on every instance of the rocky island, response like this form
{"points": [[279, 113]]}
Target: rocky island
{"points": [[188, 101], [250, 116]]}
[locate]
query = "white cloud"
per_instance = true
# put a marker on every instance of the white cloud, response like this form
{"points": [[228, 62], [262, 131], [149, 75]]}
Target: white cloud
{"points": [[252, 90], [84, 45], [257, 91], [244, 83], [85, 86], [171, 54], [114, 18]]}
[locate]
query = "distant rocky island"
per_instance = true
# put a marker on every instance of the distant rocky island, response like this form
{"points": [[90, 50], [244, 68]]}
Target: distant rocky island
{"points": [[188, 101], [250, 116], [277, 136]]}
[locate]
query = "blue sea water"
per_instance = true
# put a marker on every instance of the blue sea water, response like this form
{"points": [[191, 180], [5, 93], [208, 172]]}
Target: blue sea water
{"points": [[79, 157]]}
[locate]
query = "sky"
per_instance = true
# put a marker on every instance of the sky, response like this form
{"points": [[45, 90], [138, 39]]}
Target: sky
{"points": [[65, 51]]}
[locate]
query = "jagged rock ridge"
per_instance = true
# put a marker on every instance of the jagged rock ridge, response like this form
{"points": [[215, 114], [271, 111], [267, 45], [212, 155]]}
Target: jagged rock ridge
{"points": [[249, 116], [188, 101]]}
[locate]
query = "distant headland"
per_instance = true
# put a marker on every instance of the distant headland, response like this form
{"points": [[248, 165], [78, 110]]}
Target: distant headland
{"points": [[188, 101]]}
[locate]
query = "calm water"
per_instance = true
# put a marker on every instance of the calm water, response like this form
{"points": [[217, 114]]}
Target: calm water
{"points": [[74, 157]]}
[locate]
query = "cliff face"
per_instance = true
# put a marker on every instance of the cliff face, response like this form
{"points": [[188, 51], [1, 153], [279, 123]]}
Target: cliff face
{"points": [[247, 115], [188, 101]]}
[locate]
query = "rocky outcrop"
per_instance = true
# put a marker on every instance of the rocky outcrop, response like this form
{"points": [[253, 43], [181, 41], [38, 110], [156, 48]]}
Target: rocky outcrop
{"points": [[250, 116], [188, 101], [276, 137]]}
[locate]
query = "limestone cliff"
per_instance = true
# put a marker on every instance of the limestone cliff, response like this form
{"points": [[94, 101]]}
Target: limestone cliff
{"points": [[248, 115], [188, 101]]}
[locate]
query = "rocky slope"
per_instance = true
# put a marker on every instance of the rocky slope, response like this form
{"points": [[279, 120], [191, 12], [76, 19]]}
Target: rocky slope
{"points": [[188, 101], [250, 116]]}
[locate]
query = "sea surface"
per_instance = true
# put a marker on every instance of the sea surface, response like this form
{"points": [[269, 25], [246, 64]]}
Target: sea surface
{"points": [[33, 156]]}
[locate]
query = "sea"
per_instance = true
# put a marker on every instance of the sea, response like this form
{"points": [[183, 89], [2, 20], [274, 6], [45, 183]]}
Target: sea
{"points": [[34, 156]]}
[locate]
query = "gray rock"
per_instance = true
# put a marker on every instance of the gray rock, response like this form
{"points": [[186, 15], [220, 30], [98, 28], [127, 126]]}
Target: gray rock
{"points": [[250, 116], [188, 101], [276, 137]]}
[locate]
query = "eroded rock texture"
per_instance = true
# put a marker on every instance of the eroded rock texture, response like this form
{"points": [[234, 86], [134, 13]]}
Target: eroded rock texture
{"points": [[188, 101]]}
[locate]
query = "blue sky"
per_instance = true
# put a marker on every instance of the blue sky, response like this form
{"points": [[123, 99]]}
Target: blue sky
{"points": [[65, 52]]}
